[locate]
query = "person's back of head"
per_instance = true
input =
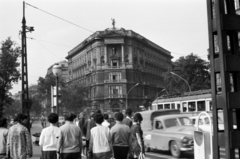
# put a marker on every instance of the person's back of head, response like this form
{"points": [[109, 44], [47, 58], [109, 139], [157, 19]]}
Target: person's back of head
{"points": [[128, 112], [3, 122], [53, 118], [105, 116], [70, 117], [98, 118], [118, 116], [137, 117], [20, 117]]}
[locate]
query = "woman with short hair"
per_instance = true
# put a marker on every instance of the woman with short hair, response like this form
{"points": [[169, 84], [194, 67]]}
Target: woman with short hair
{"points": [[137, 136]]}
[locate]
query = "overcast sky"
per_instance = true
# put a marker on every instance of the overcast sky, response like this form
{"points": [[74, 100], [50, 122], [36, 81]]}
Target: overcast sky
{"points": [[179, 26]]}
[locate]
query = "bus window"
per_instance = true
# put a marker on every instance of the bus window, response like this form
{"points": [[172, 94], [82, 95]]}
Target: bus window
{"points": [[166, 106], [191, 106], [172, 105], [178, 106], [201, 106], [160, 106], [184, 105]]}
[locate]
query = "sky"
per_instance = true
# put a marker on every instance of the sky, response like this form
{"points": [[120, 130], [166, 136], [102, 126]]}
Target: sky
{"points": [[179, 26]]}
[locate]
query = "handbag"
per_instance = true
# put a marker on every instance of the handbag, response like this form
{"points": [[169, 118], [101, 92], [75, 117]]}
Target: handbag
{"points": [[141, 156]]}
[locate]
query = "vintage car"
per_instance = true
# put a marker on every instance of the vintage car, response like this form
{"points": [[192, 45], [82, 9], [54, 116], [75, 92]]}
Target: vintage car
{"points": [[172, 132]]}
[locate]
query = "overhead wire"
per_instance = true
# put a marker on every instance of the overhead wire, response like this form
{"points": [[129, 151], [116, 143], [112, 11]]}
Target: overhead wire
{"points": [[59, 18], [49, 42], [48, 49]]}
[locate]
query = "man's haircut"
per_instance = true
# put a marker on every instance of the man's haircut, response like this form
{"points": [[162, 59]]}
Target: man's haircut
{"points": [[3, 122], [105, 116], [70, 116], [137, 117], [128, 112], [20, 117], [118, 116], [53, 118], [98, 118]]}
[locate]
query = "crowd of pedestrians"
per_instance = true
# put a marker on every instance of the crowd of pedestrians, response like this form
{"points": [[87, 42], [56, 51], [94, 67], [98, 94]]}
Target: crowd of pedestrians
{"points": [[96, 135]]}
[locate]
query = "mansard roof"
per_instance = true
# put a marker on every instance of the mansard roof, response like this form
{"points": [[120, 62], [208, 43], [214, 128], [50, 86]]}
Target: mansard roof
{"points": [[115, 32]]}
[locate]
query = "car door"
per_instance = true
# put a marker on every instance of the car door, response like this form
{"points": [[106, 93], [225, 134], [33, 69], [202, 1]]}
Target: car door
{"points": [[158, 133]]}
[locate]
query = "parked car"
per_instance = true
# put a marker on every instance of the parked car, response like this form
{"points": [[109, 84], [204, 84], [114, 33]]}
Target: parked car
{"points": [[172, 132], [61, 120]]}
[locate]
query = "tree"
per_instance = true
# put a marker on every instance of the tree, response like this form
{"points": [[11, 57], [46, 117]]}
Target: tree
{"points": [[9, 72], [73, 97], [14, 108], [191, 68]]}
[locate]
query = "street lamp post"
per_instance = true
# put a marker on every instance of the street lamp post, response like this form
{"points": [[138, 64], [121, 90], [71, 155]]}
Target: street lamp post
{"points": [[57, 71], [182, 79], [128, 93], [162, 91]]}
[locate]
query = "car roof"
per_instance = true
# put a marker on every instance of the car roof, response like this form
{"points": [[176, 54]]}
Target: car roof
{"points": [[164, 117]]}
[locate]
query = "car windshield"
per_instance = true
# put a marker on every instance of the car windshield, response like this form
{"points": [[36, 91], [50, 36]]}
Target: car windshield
{"points": [[185, 121], [174, 122]]}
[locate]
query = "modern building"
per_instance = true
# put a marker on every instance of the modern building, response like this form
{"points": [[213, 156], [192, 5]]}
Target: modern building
{"points": [[120, 68]]}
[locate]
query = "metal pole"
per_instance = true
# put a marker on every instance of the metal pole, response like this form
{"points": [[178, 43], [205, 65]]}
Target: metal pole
{"points": [[128, 93], [57, 111], [183, 80], [25, 97]]}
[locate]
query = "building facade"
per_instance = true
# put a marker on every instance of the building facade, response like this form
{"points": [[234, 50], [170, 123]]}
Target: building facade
{"points": [[120, 68], [64, 65]]}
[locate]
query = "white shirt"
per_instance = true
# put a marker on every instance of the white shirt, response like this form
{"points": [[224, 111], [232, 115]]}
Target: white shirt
{"points": [[48, 138], [100, 138], [105, 123]]}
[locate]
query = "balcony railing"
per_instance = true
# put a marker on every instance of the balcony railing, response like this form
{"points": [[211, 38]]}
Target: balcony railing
{"points": [[115, 81], [116, 96]]}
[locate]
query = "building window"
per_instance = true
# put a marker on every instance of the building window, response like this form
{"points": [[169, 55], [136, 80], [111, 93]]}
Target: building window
{"points": [[115, 90], [114, 63], [115, 76]]}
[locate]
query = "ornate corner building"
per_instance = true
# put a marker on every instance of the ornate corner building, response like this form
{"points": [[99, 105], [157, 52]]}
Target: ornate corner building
{"points": [[111, 62]]}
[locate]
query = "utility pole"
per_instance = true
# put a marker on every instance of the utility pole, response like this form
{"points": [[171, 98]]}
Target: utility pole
{"points": [[223, 29], [25, 95]]}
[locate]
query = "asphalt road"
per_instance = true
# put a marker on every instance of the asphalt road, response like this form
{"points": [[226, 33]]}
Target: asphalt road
{"points": [[166, 155]]}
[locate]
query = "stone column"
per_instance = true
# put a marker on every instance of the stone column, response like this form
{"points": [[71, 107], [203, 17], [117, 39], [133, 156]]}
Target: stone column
{"points": [[123, 54], [105, 55]]}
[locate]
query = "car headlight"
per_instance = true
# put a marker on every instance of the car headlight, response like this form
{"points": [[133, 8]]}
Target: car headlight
{"points": [[184, 139]]}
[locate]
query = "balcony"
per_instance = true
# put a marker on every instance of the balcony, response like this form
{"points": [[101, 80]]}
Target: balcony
{"points": [[116, 81], [116, 96]]}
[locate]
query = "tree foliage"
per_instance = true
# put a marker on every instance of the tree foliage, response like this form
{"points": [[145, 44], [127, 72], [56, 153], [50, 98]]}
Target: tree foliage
{"points": [[191, 68], [73, 97], [9, 71]]}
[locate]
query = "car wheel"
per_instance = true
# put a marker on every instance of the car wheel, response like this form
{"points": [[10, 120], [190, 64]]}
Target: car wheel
{"points": [[175, 151]]}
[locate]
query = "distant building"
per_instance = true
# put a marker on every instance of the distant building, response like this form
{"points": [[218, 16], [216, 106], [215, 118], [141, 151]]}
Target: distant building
{"points": [[111, 62], [64, 65]]}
